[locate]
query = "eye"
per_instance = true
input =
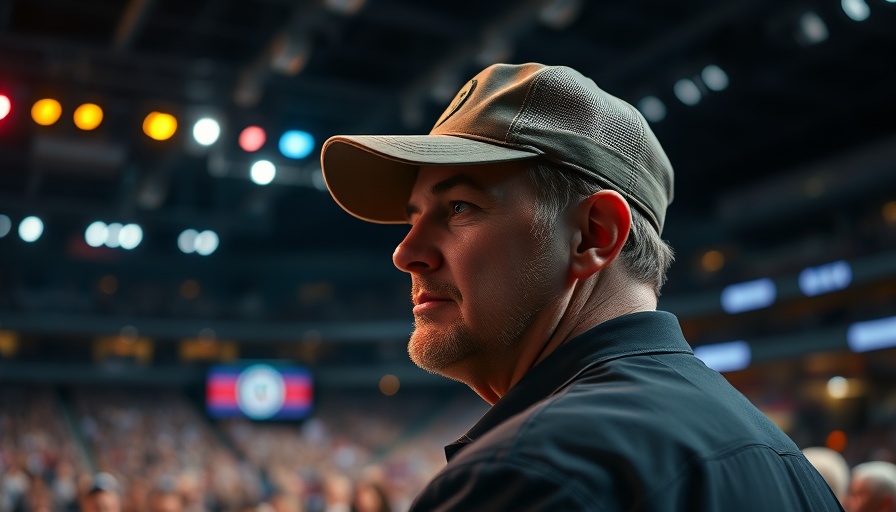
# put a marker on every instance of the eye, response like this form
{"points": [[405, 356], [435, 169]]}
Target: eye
{"points": [[458, 207]]}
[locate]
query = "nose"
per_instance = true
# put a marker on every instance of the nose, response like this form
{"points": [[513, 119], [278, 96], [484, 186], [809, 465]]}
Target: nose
{"points": [[418, 252]]}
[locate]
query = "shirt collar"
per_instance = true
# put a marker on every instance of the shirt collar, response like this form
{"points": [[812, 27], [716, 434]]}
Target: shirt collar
{"points": [[633, 334]]}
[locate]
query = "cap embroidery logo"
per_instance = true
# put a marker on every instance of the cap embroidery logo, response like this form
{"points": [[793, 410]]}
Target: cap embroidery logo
{"points": [[458, 102]]}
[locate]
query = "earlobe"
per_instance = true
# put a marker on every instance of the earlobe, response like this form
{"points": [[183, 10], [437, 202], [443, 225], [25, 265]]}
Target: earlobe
{"points": [[603, 221]]}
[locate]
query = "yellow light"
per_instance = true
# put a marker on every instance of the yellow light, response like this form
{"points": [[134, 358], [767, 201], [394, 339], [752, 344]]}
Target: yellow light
{"points": [[159, 126], [46, 111], [88, 116], [712, 261]]}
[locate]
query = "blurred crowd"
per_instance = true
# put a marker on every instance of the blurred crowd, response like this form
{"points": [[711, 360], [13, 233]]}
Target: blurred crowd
{"points": [[154, 450], [151, 450]]}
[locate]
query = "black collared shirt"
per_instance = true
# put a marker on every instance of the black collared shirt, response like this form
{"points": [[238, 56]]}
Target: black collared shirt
{"points": [[624, 417]]}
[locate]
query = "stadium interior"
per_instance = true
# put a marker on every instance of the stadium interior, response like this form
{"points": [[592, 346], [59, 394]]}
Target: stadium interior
{"points": [[142, 250]]}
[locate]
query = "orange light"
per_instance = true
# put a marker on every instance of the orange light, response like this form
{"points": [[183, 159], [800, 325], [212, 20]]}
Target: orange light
{"points": [[46, 112], [159, 126], [712, 261], [88, 116], [836, 440]]}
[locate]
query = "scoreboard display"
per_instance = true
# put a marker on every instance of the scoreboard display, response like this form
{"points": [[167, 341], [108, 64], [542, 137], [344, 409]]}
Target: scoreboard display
{"points": [[259, 391]]}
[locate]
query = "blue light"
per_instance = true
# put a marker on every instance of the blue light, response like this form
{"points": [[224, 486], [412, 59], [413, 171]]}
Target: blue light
{"points": [[825, 278], [725, 357], [737, 298], [872, 335], [296, 144]]}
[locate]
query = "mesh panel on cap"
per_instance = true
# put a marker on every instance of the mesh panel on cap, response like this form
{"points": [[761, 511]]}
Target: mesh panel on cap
{"points": [[579, 111]]}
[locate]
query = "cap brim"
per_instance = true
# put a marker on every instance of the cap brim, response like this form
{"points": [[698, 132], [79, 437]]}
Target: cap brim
{"points": [[371, 176]]}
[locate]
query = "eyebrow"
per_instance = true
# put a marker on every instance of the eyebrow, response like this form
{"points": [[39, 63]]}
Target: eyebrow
{"points": [[446, 185]]}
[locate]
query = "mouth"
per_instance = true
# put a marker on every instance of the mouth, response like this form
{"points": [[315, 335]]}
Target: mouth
{"points": [[427, 301]]}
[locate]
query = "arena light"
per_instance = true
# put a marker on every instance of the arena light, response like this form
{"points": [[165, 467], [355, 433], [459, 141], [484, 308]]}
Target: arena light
{"points": [[825, 278], [725, 357], [31, 228], [206, 242], [263, 172], [812, 29], [113, 240], [96, 234], [5, 225], [46, 112], [206, 131], [872, 334], [186, 241], [159, 125], [687, 92], [748, 296], [88, 116], [5, 106], [714, 78], [653, 109], [252, 138], [857, 10], [130, 236], [296, 144]]}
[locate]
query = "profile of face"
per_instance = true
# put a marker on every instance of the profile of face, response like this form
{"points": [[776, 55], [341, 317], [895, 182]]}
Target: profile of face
{"points": [[864, 497], [481, 277]]}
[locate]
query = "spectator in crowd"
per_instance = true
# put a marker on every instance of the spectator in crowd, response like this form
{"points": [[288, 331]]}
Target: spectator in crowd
{"points": [[833, 469], [872, 488], [104, 495], [370, 496]]}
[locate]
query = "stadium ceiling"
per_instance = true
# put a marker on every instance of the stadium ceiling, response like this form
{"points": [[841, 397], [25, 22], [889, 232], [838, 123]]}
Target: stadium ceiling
{"points": [[804, 83]]}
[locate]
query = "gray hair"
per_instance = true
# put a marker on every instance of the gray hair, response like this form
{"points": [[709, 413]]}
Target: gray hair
{"points": [[881, 475], [832, 467], [645, 255]]}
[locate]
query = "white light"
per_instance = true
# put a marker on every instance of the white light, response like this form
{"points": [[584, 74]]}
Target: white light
{"points": [[825, 278], [96, 234], [206, 243], [714, 77], [687, 92], [725, 357], [206, 131], [838, 387], [5, 225], [130, 236], [186, 241], [31, 228], [263, 172], [872, 335], [737, 298], [813, 28], [857, 10], [652, 108], [112, 236]]}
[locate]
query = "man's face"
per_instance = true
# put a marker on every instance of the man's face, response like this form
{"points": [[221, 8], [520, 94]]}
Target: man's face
{"points": [[480, 277], [863, 497]]}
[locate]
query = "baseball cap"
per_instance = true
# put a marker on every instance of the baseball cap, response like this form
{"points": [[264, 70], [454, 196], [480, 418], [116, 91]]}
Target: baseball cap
{"points": [[508, 113], [103, 482]]}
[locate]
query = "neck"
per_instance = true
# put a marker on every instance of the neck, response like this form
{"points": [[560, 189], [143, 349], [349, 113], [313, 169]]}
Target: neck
{"points": [[606, 295]]}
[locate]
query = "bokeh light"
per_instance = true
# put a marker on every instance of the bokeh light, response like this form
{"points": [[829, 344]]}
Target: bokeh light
{"points": [[159, 125], [88, 116], [46, 112], [389, 385], [296, 144], [206, 131], [252, 138], [5, 106], [263, 172], [31, 228]]}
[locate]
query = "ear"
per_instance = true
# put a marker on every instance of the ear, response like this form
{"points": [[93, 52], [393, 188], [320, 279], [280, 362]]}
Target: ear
{"points": [[602, 221]]}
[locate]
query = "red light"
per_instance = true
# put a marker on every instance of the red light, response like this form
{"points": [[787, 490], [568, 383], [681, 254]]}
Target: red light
{"points": [[252, 138], [5, 106]]}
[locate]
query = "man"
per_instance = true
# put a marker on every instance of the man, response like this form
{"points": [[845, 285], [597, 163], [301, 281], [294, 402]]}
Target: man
{"points": [[872, 488], [832, 467], [536, 205]]}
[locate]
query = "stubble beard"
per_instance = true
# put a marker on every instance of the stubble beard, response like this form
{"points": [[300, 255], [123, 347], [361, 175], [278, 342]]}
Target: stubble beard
{"points": [[435, 349]]}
